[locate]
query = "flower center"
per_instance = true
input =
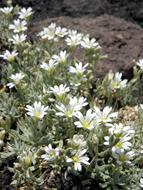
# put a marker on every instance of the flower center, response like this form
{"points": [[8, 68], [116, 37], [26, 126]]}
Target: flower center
{"points": [[85, 124], [75, 159], [37, 114], [69, 113], [119, 145]]}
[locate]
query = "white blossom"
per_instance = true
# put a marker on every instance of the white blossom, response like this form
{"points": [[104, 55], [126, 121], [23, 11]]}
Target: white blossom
{"points": [[78, 141], [59, 90], [51, 153], [87, 121], [119, 130], [141, 182], [61, 58], [73, 38], [61, 32], [6, 10], [9, 56], [18, 26], [78, 159], [75, 104], [122, 145], [50, 66], [105, 116], [88, 43], [18, 39], [49, 32], [52, 26], [37, 110], [25, 13], [16, 78], [107, 140], [124, 156], [79, 68], [141, 106], [116, 81], [140, 64]]}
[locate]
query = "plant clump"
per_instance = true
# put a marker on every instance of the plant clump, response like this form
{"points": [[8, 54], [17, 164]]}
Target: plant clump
{"points": [[56, 119]]}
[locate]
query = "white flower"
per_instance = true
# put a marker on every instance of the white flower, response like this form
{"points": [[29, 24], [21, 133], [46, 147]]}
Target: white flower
{"points": [[50, 66], [61, 32], [51, 153], [75, 104], [80, 102], [116, 81], [78, 159], [119, 130], [18, 39], [124, 156], [6, 10], [59, 90], [16, 79], [104, 116], [18, 26], [141, 105], [141, 182], [79, 69], [87, 121], [25, 13], [49, 32], [37, 110], [73, 38], [107, 140], [9, 56], [122, 145], [78, 141], [52, 26], [61, 58], [88, 43], [140, 64]]}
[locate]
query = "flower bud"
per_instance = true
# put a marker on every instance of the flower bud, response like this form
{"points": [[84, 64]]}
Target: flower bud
{"points": [[27, 161], [2, 134], [94, 139], [17, 165], [9, 2], [1, 143]]}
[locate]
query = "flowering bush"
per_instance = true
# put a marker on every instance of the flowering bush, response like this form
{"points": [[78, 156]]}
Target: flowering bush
{"points": [[52, 119]]}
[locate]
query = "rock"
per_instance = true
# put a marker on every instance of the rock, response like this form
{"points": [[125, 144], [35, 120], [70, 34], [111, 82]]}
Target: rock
{"points": [[127, 9], [122, 41]]}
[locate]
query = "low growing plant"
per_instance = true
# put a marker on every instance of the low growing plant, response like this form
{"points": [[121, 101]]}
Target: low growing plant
{"points": [[52, 122]]}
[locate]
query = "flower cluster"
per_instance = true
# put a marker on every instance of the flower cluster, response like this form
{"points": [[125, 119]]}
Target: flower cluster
{"points": [[61, 122], [119, 138], [72, 37]]}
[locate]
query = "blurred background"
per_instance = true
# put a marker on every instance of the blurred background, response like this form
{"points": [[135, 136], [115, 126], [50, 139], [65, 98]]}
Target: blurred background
{"points": [[131, 10]]}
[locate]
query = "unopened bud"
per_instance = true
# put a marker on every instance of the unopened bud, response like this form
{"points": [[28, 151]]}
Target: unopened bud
{"points": [[9, 2], [17, 165], [1, 143], [94, 139], [27, 161], [2, 134]]}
